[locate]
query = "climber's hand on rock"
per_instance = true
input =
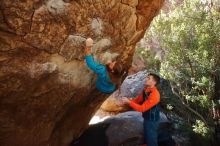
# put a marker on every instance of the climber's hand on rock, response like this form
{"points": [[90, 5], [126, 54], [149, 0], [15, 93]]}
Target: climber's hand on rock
{"points": [[125, 100], [89, 43]]}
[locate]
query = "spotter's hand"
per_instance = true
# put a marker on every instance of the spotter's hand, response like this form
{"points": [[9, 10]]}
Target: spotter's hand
{"points": [[125, 100]]}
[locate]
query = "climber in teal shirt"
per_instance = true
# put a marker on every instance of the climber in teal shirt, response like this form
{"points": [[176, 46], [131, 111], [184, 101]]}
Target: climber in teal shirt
{"points": [[103, 83]]}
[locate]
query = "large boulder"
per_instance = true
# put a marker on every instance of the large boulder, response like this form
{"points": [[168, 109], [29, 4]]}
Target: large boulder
{"points": [[131, 87], [125, 129], [47, 93]]}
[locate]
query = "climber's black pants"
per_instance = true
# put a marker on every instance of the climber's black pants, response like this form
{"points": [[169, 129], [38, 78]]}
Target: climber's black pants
{"points": [[150, 132]]}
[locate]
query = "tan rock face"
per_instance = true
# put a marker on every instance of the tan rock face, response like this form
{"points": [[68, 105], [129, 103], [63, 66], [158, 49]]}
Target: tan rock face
{"points": [[47, 94]]}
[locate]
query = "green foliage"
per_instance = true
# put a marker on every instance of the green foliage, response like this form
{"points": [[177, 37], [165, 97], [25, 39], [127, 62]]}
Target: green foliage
{"points": [[201, 128], [150, 59], [189, 34]]}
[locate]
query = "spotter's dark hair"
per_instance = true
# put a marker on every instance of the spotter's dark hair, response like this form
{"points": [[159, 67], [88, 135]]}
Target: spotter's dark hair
{"points": [[155, 77]]}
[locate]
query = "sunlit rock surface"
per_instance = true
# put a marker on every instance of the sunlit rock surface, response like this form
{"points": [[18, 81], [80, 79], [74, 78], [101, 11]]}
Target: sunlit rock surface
{"points": [[47, 94]]}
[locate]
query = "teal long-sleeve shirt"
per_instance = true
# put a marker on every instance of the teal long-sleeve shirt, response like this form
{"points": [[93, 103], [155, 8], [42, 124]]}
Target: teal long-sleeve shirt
{"points": [[103, 82]]}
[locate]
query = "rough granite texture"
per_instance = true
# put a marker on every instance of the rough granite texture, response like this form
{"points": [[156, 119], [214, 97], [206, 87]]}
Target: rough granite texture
{"points": [[47, 94]]}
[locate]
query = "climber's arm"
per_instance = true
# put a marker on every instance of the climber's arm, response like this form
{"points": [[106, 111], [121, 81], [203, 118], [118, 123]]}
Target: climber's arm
{"points": [[88, 50], [97, 68]]}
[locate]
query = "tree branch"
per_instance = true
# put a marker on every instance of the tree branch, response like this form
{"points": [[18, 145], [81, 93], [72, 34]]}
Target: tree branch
{"points": [[187, 106]]}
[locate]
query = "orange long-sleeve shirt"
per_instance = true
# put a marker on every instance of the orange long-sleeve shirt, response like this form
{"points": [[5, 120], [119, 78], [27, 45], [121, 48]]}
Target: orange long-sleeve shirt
{"points": [[152, 100]]}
